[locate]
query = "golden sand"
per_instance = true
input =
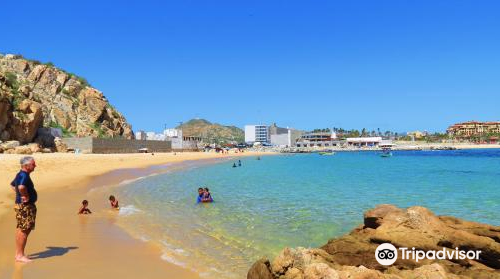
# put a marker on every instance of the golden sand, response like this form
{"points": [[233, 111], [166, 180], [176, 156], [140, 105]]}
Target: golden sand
{"points": [[73, 246]]}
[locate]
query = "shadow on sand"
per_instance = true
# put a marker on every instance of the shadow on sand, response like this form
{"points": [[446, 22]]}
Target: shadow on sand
{"points": [[51, 252]]}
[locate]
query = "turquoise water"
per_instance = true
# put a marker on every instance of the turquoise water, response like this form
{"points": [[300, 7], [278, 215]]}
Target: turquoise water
{"points": [[298, 200]]}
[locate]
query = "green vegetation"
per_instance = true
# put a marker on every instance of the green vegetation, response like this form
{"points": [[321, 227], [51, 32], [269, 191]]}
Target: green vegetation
{"points": [[212, 132], [13, 83], [114, 112], [66, 132], [12, 80], [100, 132]]}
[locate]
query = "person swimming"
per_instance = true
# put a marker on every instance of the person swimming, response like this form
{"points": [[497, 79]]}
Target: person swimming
{"points": [[84, 208], [239, 163], [114, 202], [201, 193], [206, 195], [234, 165]]}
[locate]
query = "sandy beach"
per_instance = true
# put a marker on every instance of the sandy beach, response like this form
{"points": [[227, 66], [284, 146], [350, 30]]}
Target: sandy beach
{"points": [[67, 245]]}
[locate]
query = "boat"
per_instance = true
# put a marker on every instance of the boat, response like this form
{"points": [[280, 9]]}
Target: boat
{"points": [[386, 149], [326, 153], [386, 154]]}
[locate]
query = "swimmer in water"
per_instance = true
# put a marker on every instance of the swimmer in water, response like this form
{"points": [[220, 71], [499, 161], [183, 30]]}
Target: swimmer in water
{"points": [[84, 208], [114, 202]]}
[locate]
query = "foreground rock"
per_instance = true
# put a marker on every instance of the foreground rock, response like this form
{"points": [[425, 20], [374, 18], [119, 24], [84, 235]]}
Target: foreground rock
{"points": [[353, 256]]}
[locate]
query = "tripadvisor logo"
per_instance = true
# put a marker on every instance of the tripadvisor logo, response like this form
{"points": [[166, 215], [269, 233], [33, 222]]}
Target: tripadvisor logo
{"points": [[387, 254]]}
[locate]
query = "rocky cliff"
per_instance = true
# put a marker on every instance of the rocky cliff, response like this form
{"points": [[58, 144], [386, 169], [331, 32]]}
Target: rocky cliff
{"points": [[212, 132], [34, 95], [353, 256]]}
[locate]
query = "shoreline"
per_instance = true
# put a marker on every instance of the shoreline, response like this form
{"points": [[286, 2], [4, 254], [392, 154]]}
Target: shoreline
{"points": [[55, 187]]}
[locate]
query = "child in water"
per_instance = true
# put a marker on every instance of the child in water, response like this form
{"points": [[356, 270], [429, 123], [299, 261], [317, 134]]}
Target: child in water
{"points": [[114, 202], [84, 209], [206, 196]]}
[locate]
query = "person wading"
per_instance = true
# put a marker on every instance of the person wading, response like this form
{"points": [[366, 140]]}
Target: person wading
{"points": [[25, 207]]}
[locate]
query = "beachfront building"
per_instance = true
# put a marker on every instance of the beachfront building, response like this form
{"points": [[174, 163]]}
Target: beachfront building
{"points": [[472, 129], [155, 136], [364, 141], [257, 133], [140, 135], [416, 135], [181, 142], [318, 139], [284, 137]]}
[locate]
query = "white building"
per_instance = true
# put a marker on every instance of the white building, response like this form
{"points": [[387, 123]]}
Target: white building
{"points": [[257, 133], [155, 136], [366, 141], [140, 135], [287, 139], [172, 133]]}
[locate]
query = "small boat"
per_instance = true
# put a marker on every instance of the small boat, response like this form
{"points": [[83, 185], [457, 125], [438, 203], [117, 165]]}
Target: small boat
{"points": [[326, 153], [386, 152]]}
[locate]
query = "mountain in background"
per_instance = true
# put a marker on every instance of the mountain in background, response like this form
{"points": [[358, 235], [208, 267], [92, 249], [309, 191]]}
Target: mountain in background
{"points": [[212, 132], [35, 95]]}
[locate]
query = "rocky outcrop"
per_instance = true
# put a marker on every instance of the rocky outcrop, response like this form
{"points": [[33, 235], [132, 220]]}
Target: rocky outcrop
{"points": [[353, 255], [33, 95]]}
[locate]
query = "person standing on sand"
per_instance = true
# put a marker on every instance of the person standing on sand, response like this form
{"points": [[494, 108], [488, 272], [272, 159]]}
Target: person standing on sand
{"points": [[26, 197]]}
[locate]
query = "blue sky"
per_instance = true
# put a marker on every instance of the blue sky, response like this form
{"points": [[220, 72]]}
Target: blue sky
{"points": [[394, 65]]}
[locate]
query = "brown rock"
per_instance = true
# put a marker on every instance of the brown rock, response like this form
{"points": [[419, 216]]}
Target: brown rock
{"points": [[10, 144], [23, 149], [60, 145], [294, 273], [65, 99], [320, 271], [34, 147], [27, 121], [353, 256], [373, 218], [260, 270]]}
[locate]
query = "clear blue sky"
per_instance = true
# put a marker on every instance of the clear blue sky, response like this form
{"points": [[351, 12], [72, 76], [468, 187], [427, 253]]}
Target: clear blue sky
{"points": [[398, 65]]}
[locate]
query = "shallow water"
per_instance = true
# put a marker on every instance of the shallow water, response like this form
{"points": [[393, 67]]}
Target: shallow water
{"points": [[298, 200]]}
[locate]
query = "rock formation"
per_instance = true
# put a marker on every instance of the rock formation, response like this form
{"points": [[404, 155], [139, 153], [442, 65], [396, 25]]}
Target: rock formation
{"points": [[353, 255], [34, 95]]}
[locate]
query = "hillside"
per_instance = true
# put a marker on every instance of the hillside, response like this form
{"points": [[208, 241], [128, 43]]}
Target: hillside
{"points": [[212, 132], [34, 95]]}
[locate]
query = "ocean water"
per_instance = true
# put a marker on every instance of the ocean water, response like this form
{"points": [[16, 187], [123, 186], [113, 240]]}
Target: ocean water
{"points": [[298, 200]]}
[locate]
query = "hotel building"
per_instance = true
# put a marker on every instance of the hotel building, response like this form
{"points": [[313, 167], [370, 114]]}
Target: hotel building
{"points": [[473, 128], [257, 133]]}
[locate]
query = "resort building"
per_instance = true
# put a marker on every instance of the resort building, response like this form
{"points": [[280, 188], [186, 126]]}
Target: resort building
{"points": [[318, 139], [416, 134], [365, 141], [257, 133], [473, 129]]}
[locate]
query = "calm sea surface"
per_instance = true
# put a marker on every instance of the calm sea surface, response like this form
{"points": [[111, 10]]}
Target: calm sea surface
{"points": [[298, 200]]}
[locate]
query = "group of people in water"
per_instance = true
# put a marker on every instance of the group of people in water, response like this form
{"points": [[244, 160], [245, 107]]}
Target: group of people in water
{"points": [[84, 209], [204, 195]]}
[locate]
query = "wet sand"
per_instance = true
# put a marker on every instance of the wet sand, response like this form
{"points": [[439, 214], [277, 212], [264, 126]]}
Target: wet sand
{"points": [[67, 245]]}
